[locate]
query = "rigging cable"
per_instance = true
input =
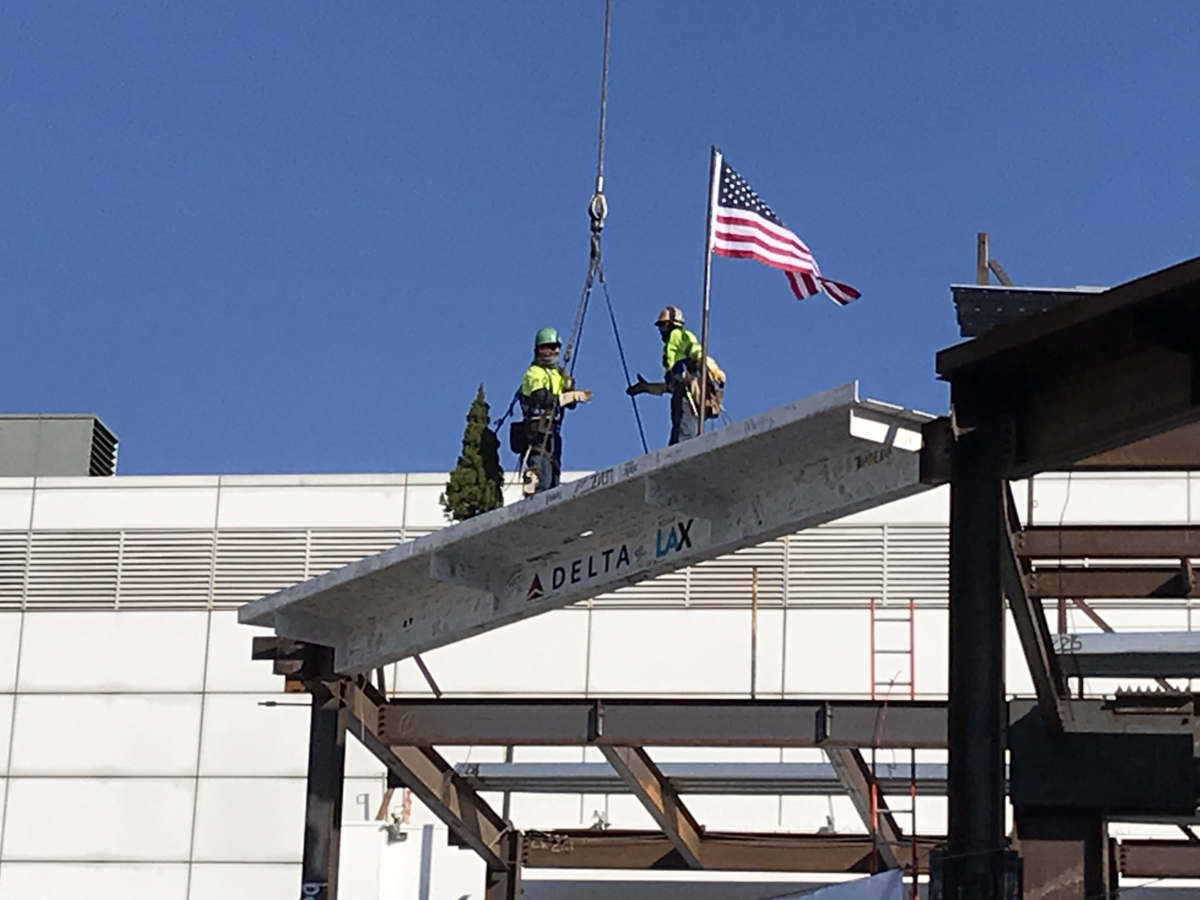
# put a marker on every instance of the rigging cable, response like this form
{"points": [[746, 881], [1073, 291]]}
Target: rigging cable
{"points": [[597, 212]]}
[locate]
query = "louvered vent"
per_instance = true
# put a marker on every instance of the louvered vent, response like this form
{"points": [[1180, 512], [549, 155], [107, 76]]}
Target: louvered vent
{"points": [[189, 569], [104, 451], [836, 564], [14, 548], [918, 563], [166, 569], [727, 581], [73, 570], [330, 550], [665, 591], [252, 564]]}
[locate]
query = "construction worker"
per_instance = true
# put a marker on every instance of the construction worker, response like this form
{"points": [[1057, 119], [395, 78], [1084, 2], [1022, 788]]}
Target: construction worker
{"points": [[546, 390], [681, 358]]}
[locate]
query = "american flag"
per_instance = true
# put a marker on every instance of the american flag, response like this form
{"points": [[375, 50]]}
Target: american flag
{"points": [[744, 227]]}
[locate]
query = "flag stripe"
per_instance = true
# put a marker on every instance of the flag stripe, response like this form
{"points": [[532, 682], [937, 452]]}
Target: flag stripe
{"points": [[734, 232], [744, 227], [726, 216], [750, 250]]}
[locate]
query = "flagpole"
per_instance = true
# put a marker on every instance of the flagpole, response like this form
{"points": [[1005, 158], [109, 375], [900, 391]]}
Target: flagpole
{"points": [[714, 178]]}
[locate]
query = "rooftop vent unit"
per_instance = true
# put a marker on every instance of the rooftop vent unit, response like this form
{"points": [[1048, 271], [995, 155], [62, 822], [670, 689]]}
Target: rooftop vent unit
{"points": [[66, 444], [984, 306]]}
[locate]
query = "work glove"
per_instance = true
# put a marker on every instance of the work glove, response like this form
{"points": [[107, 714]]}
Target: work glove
{"points": [[566, 398], [645, 387]]}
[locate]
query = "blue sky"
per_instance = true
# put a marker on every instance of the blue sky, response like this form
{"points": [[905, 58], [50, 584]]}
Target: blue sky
{"points": [[294, 236]]}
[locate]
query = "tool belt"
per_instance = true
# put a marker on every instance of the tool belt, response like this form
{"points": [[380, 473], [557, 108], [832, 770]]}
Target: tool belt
{"points": [[530, 434]]}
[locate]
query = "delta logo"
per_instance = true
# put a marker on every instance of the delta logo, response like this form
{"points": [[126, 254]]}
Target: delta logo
{"points": [[611, 560]]}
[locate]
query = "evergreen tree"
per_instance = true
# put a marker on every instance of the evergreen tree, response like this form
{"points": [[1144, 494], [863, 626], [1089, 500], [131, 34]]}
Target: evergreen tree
{"points": [[475, 484]]}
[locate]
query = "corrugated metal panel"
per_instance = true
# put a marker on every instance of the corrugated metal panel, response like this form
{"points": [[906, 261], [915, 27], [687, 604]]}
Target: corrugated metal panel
{"points": [[13, 550], [166, 569], [252, 564], [73, 570], [836, 563]]}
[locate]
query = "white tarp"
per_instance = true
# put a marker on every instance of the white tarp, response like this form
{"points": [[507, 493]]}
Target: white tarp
{"points": [[884, 886]]}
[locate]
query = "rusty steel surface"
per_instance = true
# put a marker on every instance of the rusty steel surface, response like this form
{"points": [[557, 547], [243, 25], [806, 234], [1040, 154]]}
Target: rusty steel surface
{"points": [[1109, 582], [667, 723], [660, 799], [1029, 616], [1160, 859], [1109, 542], [860, 783], [1170, 451], [731, 852]]}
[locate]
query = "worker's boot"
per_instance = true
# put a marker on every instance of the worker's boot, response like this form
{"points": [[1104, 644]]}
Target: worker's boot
{"points": [[529, 482]]}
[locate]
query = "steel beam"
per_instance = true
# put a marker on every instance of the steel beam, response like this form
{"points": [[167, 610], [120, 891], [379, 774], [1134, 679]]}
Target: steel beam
{"points": [[662, 723], [471, 820], [1133, 654], [1030, 619], [742, 852], [1110, 582], [743, 779], [1087, 377], [1109, 542], [1171, 451], [325, 780], [1160, 859], [660, 799], [859, 782], [977, 709], [812, 461]]}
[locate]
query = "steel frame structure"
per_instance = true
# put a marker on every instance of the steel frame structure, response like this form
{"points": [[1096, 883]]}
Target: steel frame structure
{"points": [[1110, 382], [1104, 382], [402, 734]]}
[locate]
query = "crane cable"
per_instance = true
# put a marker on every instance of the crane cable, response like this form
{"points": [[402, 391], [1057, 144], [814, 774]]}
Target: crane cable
{"points": [[597, 212]]}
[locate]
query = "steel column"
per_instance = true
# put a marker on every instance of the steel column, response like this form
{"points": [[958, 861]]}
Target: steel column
{"points": [[326, 776], [977, 712], [505, 884]]}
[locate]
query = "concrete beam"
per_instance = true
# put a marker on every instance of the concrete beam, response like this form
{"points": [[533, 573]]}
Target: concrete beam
{"points": [[800, 465]]}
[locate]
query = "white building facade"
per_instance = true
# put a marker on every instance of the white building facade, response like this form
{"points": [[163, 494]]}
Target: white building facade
{"points": [[143, 753]]}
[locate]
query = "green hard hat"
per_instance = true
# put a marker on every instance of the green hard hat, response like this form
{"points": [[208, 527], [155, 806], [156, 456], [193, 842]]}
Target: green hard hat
{"points": [[546, 336]]}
